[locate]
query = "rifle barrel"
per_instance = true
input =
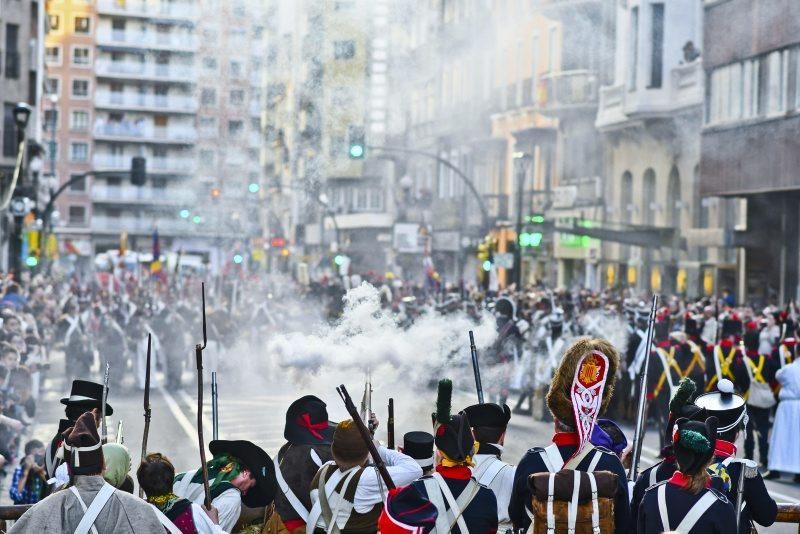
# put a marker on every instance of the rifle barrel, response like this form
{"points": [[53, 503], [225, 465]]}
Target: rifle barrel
{"points": [[641, 412], [476, 367], [390, 425], [146, 403], [198, 352]]}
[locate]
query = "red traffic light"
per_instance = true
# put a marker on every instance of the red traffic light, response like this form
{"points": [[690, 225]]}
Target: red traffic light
{"points": [[277, 242], [216, 192]]}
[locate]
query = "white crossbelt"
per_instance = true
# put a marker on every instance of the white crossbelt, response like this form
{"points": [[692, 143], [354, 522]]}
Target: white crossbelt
{"points": [[165, 521], [691, 518], [90, 514], [436, 488], [488, 470], [288, 493]]}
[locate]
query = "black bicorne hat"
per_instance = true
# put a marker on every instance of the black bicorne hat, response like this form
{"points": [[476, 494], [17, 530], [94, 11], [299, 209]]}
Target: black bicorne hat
{"points": [[88, 395], [729, 409], [257, 462], [419, 446], [488, 415], [307, 422], [453, 433]]}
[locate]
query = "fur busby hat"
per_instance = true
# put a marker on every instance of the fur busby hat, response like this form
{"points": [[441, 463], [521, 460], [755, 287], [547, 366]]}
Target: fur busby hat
{"points": [[691, 325], [731, 326], [559, 397], [82, 448], [407, 511], [693, 443], [452, 433]]}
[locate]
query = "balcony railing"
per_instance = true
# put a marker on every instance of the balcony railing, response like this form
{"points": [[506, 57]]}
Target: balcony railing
{"points": [[568, 90], [113, 162], [117, 225], [143, 195], [165, 10], [171, 41], [134, 130], [177, 103], [136, 69]]}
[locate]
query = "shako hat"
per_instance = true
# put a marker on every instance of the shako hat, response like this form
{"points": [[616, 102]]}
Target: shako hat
{"points": [[731, 326], [407, 511], [307, 422], [691, 325], [419, 446], [583, 384], [257, 462], [751, 340], [505, 306], [729, 409], [87, 395], [453, 433], [693, 443], [489, 415], [83, 451]]}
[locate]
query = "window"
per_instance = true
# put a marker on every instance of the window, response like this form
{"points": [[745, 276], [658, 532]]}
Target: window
{"points": [[82, 25], [79, 152], [207, 157], [776, 63], [50, 119], [235, 128], [52, 55], [80, 88], [236, 69], [76, 215], [344, 49], [80, 55], [208, 97], [657, 45], [9, 131], [237, 97], [12, 63], [208, 125], [210, 63], [53, 23], [741, 90], [52, 86], [79, 120], [634, 49], [79, 184]]}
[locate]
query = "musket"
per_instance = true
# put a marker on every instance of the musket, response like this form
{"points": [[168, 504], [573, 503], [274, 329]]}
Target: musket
{"points": [[749, 470], [390, 425], [366, 403], [214, 407], [475, 367], [146, 404], [120, 436], [198, 352], [103, 427], [716, 321], [641, 412], [366, 436]]}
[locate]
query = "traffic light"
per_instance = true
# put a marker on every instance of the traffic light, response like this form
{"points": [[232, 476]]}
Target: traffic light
{"points": [[185, 214], [253, 187], [530, 239], [216, 192], [237, 259], [138, 171], [338, 260], [358, 145]]}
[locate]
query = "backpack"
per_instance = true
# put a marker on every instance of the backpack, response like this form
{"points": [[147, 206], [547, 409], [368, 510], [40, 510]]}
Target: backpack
{"points": [[571, 501], [760, 394]]}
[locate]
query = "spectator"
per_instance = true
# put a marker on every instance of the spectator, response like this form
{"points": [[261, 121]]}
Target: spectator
{"points": [[28, 485], [13, 298]]}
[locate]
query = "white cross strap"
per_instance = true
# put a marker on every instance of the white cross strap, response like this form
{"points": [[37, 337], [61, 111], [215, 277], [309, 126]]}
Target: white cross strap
{"points": [[90, 514], [297, 505], [165, 521]]}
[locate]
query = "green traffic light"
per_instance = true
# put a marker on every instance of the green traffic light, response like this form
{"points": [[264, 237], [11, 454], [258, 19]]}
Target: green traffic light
{"points": [[253, 188], [185, 214], [338, 260], [356, 151], [487, 266], [524, 239], [197, 219], [536, 239], [537, 219], [31, 261], [237, 258]]}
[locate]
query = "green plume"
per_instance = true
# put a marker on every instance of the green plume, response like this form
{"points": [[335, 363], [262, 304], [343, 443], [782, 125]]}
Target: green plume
{"points": [[443, 400], [693, 440], [683, 395]]}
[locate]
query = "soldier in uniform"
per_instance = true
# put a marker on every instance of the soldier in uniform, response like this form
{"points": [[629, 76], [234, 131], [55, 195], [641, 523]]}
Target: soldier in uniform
{"points": [[507, 348], [419, 445], [462, 504], [727, 358], [489, 423], [731, 412], [760, 400], [570, 438], [407, 512], [686, 502]]}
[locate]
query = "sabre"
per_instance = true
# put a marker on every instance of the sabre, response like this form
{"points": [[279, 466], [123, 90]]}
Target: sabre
{"points": [[198, 352], [214, 407], [104, 430], [390, 425], [475, 367], [641, 412], [749, 470], [146, 404]]}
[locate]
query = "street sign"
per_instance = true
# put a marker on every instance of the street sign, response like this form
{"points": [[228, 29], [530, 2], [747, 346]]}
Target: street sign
{"points": [[504, 260]]}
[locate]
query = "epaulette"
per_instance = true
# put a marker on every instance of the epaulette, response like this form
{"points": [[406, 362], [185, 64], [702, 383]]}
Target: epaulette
{"points": [[720, 495]]}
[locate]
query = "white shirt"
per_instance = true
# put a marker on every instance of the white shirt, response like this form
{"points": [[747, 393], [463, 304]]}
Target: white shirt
{"points": [[203, 523], [709, 333], [371, 489], [228, 503], [501, 485]]}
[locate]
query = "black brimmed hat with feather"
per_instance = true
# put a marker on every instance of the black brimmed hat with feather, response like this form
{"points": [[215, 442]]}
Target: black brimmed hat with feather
{"points": [[452, 433]]}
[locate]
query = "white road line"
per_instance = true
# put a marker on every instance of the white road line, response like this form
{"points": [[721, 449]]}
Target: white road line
{"points": [[192, 403], [180, 417]]}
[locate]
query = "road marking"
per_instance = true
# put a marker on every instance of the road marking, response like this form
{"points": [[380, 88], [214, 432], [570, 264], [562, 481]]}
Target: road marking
{"points": [[192, 403], [180, 417]]}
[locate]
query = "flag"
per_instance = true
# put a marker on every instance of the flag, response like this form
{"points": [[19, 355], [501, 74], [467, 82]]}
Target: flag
{"points": [[70, 248], [155, 265], [123, 244]]}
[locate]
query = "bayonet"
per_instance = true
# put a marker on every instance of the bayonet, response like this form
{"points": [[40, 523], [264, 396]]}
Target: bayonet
{"points": [[146, 403], [198, 352], [641, 413], [103, 427], [475, 367]]}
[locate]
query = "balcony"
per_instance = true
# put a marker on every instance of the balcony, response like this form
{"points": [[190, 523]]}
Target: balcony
{"points": [[141, 131], [683, 88], [102, 224], [568, 91], [146, 102], [151, 10], [145, 70], [174, 165], [172, 41], [142, 195]]}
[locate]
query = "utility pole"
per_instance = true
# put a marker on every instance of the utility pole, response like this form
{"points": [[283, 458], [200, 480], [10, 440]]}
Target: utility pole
{"points": [[522, 162]]}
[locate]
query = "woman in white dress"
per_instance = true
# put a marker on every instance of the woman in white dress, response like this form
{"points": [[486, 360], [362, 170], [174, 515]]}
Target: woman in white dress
{"points": [[784, 451]]}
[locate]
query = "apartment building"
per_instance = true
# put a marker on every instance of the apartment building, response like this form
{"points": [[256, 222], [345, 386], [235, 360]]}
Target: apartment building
{"points": [[749, 151], [145, 105]]}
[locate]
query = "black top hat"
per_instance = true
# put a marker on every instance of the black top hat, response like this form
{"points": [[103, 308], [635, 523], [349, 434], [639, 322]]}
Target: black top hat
{"points": [[257, 462], [87, 395], [307, 422], [729, 409], [419, 446], [488, 415]]}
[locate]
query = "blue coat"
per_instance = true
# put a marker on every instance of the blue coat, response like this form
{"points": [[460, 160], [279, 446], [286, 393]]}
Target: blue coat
{"points": [[717, 519], [480, 515]]}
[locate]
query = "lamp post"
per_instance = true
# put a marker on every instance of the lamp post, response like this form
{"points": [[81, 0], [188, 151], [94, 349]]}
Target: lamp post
{"points": [[522, 162], [21, 114], [51, 150]]}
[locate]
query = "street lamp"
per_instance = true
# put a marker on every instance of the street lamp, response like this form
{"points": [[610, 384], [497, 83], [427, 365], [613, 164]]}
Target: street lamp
{"points": [[22, 112], [53, 121], [522, 161]]}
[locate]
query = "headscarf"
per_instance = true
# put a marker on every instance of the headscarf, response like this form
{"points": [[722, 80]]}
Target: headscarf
{"points": [[118, 463]]}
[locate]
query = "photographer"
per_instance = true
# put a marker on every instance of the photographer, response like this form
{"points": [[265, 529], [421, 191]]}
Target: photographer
{"points": [[28, 485]]}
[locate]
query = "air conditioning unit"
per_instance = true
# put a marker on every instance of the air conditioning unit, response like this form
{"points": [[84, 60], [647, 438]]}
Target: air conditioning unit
{"points": [[564, 196]]}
